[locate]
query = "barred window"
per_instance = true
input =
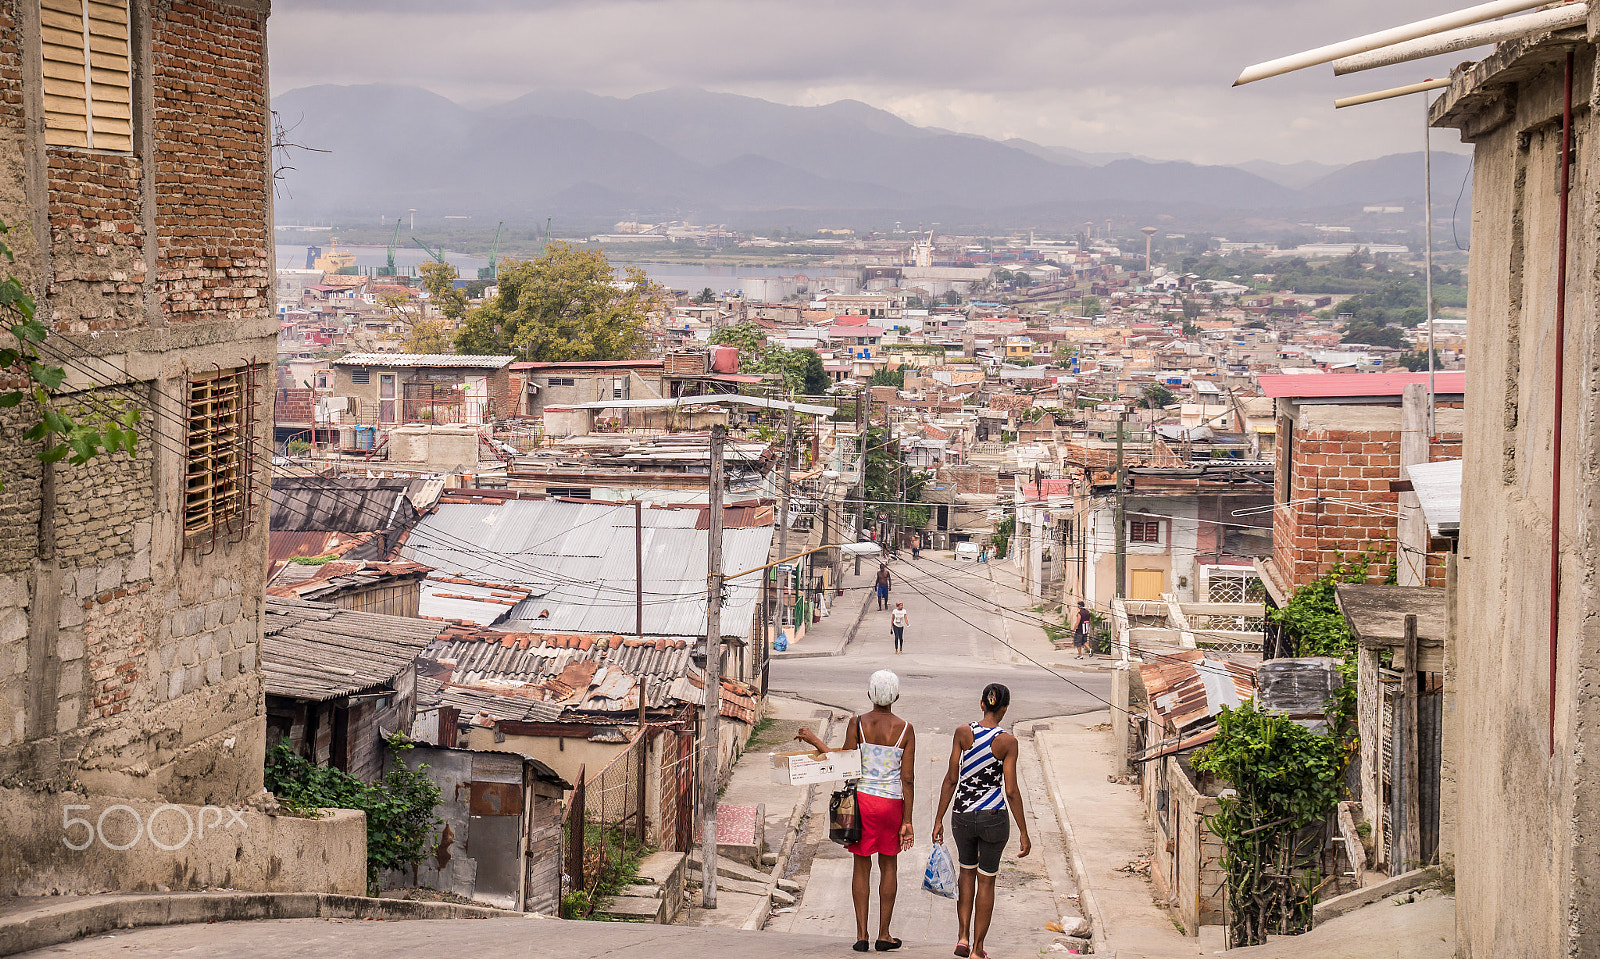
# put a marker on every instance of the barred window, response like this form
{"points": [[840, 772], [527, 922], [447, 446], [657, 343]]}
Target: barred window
{"points": [[217, 487], [88, 100], [361, 377]]}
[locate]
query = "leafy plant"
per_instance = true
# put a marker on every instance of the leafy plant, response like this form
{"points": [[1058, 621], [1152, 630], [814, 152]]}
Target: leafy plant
{"points": [[78, 435], [1287, 779], [400, 807], [1286, 783]]}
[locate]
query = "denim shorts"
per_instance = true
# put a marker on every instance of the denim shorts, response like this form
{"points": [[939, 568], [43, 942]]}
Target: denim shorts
{"points": [[981, 838]]}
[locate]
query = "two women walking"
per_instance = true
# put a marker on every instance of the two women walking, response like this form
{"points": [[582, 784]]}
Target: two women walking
{"points": [[981, 782]]}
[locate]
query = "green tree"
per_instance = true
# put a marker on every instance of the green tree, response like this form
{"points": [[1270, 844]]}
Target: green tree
{"points": [[566, 305], [814, 378], [1156, 396], [439, 279], [705, 296], [1090, 306], [76, 435], [1417, 360], [885, 376], [1191, 309]]}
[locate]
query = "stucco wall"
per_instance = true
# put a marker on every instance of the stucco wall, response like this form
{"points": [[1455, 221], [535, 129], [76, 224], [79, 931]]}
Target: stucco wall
{"points": [[1527, 863]]}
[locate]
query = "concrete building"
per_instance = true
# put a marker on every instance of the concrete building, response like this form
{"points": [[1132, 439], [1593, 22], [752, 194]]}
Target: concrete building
{"points": [[391, 388], [1523, 645], [131, 587]]}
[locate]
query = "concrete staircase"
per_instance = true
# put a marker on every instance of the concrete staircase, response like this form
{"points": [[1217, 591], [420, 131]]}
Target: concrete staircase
{"points": [[657, 896]]}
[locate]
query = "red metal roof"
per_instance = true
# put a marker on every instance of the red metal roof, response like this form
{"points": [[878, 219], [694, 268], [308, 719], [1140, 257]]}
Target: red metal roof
{"points": [[590, 365], [1323, 385]]}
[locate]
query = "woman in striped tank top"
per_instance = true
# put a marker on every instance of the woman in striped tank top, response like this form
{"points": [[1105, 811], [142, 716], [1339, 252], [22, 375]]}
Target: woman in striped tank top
{"points": [[982, 780]]}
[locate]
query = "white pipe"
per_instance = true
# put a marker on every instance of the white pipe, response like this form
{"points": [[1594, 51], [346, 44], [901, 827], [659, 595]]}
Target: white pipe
{"points": [[1384, 38], [1570, 15], [1392, 93]]}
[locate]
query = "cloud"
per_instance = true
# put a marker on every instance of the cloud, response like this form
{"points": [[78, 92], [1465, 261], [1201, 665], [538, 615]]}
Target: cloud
{"points": [[1150, 77]]}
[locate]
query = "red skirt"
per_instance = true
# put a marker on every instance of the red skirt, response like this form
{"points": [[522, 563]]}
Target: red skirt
{"points": [[880, 825]]}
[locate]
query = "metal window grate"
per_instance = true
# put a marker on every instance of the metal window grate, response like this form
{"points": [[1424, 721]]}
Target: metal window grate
{"points": [[361, 377], [88, 100], [219, 495]]}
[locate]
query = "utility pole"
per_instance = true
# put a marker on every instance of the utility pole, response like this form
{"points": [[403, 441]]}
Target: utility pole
{"points": [[783, 517], [863, 420], [710, 752], [1122, 513], [638, 567]]}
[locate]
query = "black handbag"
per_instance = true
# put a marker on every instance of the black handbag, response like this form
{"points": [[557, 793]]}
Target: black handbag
{"points": [[844, 815]]}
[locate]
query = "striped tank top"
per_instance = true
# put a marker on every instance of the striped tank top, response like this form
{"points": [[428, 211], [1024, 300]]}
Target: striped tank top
{"points": [[982, 783]]}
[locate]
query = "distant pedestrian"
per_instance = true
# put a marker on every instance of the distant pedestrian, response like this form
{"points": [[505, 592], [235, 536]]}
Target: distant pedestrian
{"points": [[1081, 624], [982, 781], [884, 798], [898, 621], [882, 585], [916, 546]]}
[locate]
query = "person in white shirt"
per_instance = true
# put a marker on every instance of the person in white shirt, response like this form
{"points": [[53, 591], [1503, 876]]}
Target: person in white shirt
{"points": [[897, 622]]}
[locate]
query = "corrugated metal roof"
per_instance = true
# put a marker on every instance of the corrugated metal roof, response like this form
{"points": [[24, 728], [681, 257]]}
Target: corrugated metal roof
{"points": [[424, 359], [719, 399], [338, 575], [469, 601], [1329, 385], [545, 677], [283, 547], [1438, 489], [349, 505], [577, 560], [1189, 688], [317, 652]]}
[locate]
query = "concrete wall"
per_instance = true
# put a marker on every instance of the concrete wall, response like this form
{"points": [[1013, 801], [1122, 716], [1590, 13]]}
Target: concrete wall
{"points": [[1527, 864], [1186, 867], [128, 663], [204, 847], [442, 448]]}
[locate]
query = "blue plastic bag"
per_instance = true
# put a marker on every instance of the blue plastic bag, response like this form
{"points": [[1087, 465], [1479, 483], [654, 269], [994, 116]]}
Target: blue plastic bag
{"points": [[781, 644], [940, 877]]}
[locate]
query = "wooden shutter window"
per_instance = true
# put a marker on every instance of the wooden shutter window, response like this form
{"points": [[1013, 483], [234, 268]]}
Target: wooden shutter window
{"points": [[88, 100]]}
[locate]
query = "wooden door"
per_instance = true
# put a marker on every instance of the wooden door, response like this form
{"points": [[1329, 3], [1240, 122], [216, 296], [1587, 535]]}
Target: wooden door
{"points": [[386, 397], [1146, 583]]}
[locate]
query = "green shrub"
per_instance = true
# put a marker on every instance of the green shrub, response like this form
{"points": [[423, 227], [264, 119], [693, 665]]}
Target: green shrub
{"points": [[400, 807]]}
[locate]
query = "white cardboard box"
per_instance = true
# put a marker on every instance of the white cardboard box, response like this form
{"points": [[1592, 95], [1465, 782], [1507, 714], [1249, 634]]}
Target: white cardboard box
{"points": [[803, 768]]}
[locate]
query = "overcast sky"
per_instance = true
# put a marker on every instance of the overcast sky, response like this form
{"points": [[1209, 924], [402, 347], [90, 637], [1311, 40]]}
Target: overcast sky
{"points": [[1149, 77]]}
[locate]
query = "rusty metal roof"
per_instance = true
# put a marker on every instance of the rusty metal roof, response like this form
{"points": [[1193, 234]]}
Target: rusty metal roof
{"points": [[554, 676], [1188, 689], [336, 576]]}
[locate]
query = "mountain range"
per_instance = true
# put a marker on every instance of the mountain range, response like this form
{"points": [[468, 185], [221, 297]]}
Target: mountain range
{"points": [[717, 157]]}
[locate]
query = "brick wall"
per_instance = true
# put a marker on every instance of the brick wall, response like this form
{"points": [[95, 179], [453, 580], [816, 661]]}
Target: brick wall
{"points": [[210, 139], [1351, 470], [292, 405], [96, 241]]}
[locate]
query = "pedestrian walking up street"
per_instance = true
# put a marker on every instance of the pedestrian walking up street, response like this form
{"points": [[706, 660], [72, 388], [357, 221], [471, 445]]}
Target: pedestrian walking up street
{"points": [[1082, 622], [898, 620], [884, 800], [982, 781], [882, 585]]}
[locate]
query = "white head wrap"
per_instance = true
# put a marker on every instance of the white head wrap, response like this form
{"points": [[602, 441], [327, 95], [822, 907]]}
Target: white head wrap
{"points": [[883, 688]]}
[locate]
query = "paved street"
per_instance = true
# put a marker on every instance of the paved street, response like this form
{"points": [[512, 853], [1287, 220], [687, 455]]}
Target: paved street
{"points": [[949, 657]]}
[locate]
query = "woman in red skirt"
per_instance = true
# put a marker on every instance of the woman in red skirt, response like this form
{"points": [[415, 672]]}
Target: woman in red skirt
{"points": [[884, 797]]}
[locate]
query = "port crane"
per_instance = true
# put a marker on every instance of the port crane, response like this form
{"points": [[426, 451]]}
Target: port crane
{"points": [[492, 271], [438, 257], [389, 269]]}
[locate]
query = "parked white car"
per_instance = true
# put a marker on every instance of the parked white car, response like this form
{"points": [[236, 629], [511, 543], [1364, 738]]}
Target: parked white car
{"points": [[967, 551]]}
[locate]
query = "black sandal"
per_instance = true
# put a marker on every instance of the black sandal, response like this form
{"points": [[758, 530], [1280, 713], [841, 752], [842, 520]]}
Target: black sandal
{"points": [[884, 945], [860, 946]]}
